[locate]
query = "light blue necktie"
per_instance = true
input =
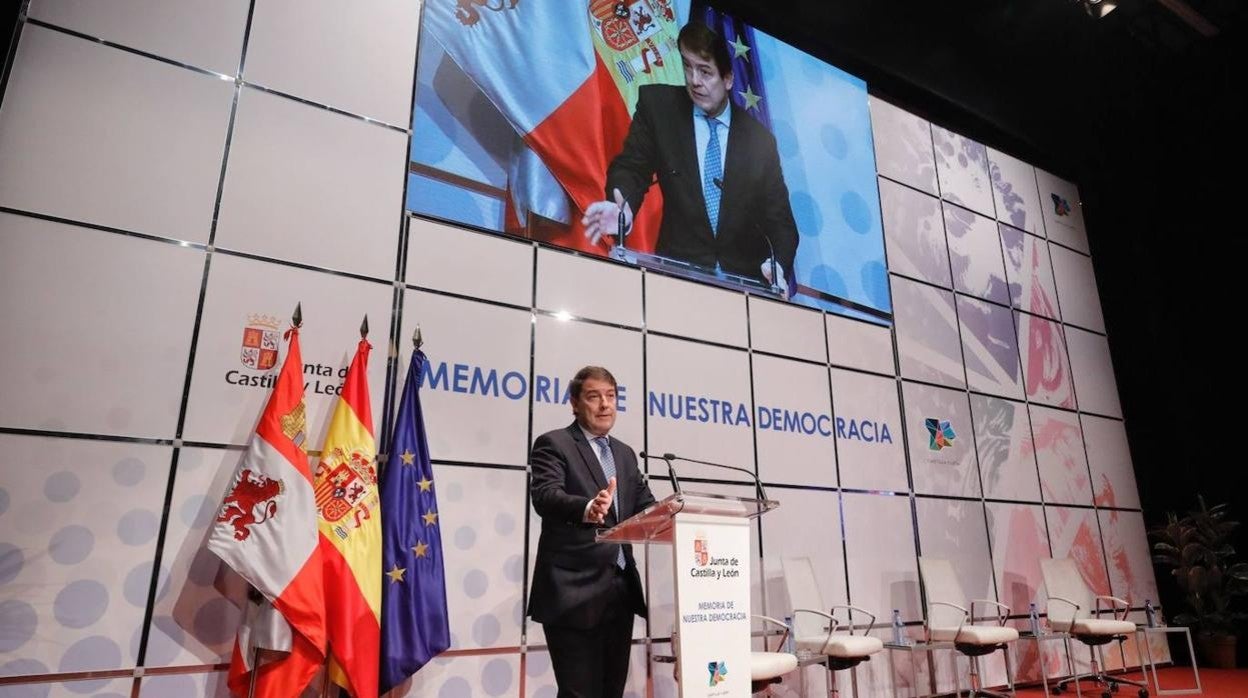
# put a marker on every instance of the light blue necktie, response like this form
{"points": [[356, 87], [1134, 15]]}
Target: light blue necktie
{"points": [[712, 169], [608, 469]]}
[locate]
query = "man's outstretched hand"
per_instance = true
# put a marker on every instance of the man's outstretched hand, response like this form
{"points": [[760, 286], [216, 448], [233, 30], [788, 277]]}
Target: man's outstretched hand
{"points": [[601, 504], [602, 218]]}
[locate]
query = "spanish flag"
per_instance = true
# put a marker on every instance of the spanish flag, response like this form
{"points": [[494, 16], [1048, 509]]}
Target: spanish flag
{"points": [[349, 513]]}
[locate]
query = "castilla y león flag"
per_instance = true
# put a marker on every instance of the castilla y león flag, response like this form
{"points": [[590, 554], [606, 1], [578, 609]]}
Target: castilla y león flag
{"points": [[266, 532]]}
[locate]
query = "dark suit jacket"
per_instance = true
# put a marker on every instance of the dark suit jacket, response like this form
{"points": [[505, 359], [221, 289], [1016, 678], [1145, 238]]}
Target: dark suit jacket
{"points": [[573, 574], [754, 198]]}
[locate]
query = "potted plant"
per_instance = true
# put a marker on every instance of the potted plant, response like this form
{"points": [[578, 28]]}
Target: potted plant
{"points": [[1197, 549]]}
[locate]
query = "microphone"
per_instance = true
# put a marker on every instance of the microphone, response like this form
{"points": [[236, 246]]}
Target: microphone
{"points": [[758, 484], [621, 229], [671, 472], [771, 249]]}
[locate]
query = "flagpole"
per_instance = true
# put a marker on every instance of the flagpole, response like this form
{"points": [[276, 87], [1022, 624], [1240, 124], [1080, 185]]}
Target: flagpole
{"points": [[325, 683], [255, 671]]}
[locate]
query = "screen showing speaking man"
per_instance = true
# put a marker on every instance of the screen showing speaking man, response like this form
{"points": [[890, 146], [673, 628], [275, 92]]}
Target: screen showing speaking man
{"points": [[725, 204], [528, 116]]}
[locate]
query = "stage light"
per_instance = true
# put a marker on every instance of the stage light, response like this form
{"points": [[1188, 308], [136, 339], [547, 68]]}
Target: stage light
{"points": [[1099, 8]]}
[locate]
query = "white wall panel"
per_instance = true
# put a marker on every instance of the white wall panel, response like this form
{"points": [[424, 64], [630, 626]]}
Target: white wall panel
{"points": [[787, 329], [699, 406], [1046, 368], [927, 333], [311, 186], [988, 348], [93, 346], [357, 58], [1030, 273], [480, 265], [207, 35], [914, 234], [96, 134], [79, 536], [474, 675], [1094, 372], [861, 345], [1014, 191], [1007, 461], [1060, 456], [962, 168], [1109, 459], [476, 391], [1019, 540], [807, 524], [793, 421], [1076, 289], [903, 146], [1127, 551], [585, 287], [696, 311], [879, 544], [955, 530], [869, 438], [483, 550], [975, 255]]}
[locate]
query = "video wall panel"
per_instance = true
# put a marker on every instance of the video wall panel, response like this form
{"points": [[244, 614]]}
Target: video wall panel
{"points": [[927, 394]]}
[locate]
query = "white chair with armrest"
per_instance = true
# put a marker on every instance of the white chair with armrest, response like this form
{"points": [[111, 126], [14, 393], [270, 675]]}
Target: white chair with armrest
{"points": [[1073, 608], [950, 620], [769, 666], [815, 631]]}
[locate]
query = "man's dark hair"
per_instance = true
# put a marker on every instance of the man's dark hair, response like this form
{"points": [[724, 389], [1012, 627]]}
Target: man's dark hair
{"points": [[596, 372], [704, 42]]}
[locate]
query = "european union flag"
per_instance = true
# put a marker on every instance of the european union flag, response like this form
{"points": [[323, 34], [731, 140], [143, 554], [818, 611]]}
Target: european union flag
{"points": [[414, 622]]}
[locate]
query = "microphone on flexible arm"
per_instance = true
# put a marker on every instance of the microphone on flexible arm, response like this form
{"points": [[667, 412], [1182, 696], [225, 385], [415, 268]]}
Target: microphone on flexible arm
{"points": [[671, 472], [771, 250], [621, 228], [758, 484]]}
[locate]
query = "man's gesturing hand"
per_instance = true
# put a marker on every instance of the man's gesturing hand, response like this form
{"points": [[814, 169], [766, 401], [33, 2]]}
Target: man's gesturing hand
{"points": [[602, 218], [601, 503]]}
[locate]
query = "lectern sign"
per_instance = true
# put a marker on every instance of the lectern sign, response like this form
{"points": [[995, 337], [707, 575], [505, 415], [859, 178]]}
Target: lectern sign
{"points": [[711, 556]]}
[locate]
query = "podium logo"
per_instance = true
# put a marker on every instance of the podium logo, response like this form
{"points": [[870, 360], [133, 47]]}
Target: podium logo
{"points": [[940, 433], [260, 340], [701, 553], [718, 672]]}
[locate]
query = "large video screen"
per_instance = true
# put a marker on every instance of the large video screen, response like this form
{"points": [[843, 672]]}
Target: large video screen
{"points": [[662, 133]]}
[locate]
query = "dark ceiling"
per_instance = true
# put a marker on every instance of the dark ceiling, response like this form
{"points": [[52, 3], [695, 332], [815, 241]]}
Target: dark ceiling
{"points": [[1035, 75]]}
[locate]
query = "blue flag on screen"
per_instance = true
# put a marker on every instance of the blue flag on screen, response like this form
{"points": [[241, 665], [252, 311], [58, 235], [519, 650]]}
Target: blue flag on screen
{"points": [[414, 622], [748, 91]]}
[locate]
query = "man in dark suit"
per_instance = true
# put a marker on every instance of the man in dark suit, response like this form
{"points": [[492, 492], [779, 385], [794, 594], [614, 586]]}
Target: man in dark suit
{"points": [[725, 203], [585, 593]]}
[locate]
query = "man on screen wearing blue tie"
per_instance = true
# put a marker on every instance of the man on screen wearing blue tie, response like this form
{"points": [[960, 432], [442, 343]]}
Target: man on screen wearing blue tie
{"points": [[725, 203], [584, 593]]}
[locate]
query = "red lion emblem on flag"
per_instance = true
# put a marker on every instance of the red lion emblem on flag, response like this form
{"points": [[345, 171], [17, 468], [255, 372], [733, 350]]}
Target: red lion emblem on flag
{"points": [[251, 501]]}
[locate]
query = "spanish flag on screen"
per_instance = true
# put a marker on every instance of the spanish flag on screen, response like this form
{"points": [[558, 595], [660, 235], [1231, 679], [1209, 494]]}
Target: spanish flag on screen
{"points": [[349, 518]]}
